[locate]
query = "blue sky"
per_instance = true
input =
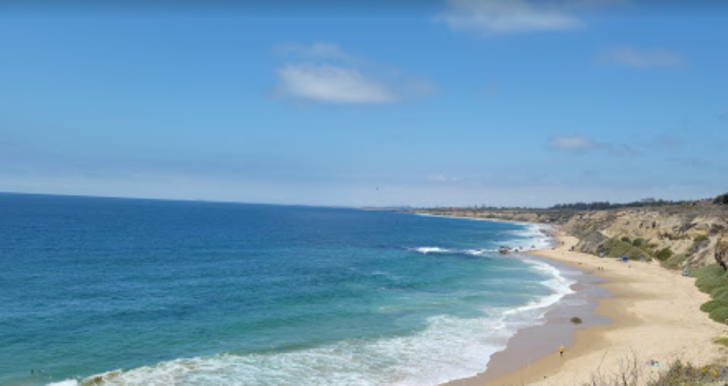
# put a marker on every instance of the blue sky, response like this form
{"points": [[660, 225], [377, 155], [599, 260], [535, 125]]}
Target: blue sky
{"points": [[454, 102]]}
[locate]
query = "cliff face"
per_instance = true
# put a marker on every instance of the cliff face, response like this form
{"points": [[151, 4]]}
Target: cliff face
{"points": [[699, 233], [679, 236]]}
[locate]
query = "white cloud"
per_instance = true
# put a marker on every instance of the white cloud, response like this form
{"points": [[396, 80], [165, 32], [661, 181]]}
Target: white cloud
{"points": [[581, 144], [332, 84], [318, 50], [572, 143], [633, 57], [443, 178], [491, 17], [322, 72]]}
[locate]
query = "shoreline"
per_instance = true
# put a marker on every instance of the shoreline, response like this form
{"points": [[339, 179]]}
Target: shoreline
{"points": [[655, 316], [553, 227]]}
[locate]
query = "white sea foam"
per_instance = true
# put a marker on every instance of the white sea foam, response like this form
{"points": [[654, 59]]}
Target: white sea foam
{"points": [[68, 382], [426, 250], [472, 252], [478, 252], [559, 285], [530, 238], [448, 348]]}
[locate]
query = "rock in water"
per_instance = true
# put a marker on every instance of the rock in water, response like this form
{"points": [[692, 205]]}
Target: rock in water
{"points": [[576, 320]]}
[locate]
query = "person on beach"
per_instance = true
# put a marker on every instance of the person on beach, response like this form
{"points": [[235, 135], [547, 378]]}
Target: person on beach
{"points": [[561, 350]]}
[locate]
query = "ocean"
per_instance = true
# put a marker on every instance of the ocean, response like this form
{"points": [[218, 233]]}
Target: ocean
{"points": [[153, 292]]}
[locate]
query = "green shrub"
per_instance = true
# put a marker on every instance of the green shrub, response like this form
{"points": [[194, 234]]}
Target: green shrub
{"points": [[714, 270], [721, 341], [664, 254], [710, 287], [711, 305], [721, 200], [706, 279], [700, 238], [639, 242], [626, 239], [678, 374], [615, 247], [674, 262], [710, 283], [720, 293], [719, 314], [712, 279]]}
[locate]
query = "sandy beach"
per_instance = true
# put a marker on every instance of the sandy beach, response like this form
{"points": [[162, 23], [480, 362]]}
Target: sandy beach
{"points": [[655, 315]]}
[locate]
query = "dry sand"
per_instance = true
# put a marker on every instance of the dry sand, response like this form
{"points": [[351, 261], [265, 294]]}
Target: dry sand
{"points": [[656, 316]]}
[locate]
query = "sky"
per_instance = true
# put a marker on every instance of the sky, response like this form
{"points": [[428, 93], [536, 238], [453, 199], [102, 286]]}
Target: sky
{"points": [[420, 103]]}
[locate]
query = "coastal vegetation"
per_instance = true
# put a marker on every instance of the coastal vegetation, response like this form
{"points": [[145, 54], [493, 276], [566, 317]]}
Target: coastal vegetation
{"points": [[623, 247], [634, 371], [674, 262], [721, 200], [645, 202], [638, 242], [641, 250], [664, 254], [723, 341], [713, 281], [679, 374]]}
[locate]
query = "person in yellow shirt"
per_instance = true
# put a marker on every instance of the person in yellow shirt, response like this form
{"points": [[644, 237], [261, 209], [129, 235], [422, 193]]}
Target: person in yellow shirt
{"points": [[561, 350]]}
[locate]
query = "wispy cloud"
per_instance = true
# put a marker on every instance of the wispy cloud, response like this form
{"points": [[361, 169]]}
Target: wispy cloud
{"points": [[491, 17], [572, 143], [443, 178], [323, 73], [331, 84], [318, 50], [641, 58], [580, 144]]}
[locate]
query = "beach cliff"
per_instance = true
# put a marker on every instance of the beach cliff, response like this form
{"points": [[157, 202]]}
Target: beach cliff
{"points": [[679, 236]]}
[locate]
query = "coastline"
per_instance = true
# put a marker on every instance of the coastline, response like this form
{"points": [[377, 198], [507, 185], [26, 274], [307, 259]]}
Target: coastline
{"points": [[494, 219], [655, 316]]}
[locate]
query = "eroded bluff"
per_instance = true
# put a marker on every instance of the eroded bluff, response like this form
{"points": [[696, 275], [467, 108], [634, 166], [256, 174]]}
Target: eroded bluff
{"points": [[696, 236]]}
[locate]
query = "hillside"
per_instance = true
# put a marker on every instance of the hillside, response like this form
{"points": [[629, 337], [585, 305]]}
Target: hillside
{"points": [[679, 235]]}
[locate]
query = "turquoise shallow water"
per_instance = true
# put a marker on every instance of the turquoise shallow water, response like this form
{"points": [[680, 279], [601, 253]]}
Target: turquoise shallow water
{"points": [[194, 293]]}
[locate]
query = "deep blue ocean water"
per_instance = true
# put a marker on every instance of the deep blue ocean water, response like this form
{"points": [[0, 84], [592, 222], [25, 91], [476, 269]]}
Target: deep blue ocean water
{"points": [[197, 293]]}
